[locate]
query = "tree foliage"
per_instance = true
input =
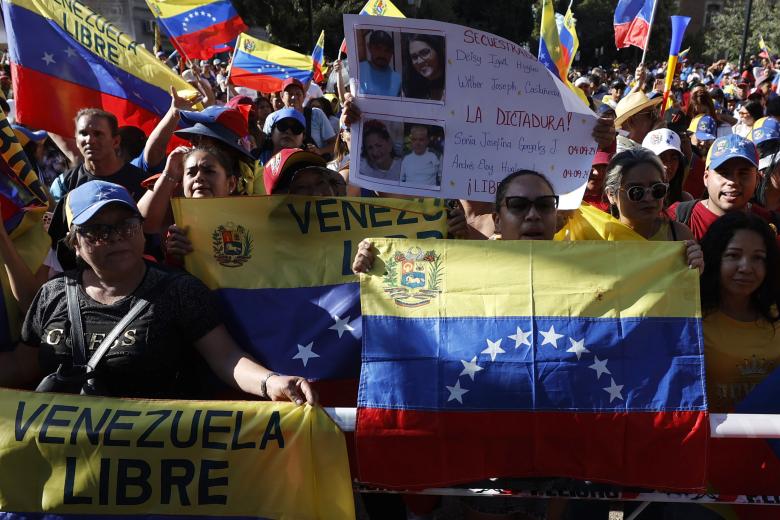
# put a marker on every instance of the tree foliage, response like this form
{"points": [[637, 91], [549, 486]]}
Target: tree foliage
{"points": [[287, 23], [724, 40]]}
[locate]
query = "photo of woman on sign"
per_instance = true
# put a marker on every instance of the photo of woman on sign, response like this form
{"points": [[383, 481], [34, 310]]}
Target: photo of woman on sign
{"points": [[424, 67]]}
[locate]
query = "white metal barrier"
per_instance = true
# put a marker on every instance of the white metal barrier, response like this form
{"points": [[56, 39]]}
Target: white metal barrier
{"points": [[754, 426]]}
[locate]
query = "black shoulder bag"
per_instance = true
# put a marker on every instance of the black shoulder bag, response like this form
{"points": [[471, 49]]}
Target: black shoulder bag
{"points": [[79, 376]]}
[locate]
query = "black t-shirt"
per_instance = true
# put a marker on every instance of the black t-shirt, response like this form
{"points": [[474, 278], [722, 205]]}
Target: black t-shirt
{"points": [[152, 357], [128, 176]]}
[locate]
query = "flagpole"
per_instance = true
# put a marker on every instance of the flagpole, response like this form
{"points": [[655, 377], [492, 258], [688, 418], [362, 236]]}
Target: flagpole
{"points": [[649, 32]]}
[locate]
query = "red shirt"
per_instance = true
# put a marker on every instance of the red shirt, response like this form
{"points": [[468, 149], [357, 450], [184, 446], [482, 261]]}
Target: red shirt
{"points": [[702, 218]]}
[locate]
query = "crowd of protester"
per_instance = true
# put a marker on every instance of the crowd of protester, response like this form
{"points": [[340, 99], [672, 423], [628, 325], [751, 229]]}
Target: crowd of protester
{"points": [[707, 173]]}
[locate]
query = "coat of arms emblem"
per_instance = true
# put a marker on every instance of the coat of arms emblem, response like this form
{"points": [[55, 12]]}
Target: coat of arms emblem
{"points": [[249, 46], [232, 245], [413, 278]]}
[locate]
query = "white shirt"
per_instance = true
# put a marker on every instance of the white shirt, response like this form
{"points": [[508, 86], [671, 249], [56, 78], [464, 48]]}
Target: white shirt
{"points": [[420, 170]]}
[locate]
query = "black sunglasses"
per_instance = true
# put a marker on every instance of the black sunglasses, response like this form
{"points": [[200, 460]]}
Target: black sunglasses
{"points": [[102, 232], [521, 205], [294, 126], [637, 193]]}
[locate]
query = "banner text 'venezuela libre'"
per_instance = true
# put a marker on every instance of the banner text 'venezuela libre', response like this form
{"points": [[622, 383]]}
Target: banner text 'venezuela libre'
{"points": [[155, 429]]}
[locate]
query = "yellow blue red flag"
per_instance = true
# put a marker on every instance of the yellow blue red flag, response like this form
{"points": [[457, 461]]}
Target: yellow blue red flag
{"points": [[529, 359], [282, 268], [23, 201], [198, 28], [556, 51], [65, 57], [72, 457], [263, 66], [318, 59]]}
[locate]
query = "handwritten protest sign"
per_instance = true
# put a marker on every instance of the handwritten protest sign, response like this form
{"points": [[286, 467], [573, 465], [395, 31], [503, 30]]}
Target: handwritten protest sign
{"points": [[449, 111], [100, 456]]}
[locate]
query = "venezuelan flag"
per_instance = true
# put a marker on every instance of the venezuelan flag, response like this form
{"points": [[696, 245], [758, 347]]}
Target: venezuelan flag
{"points": [[679, 24], [632, 22], [525, 359], [318, 59], [65, 57], [198, 28], [381, 8], [553, 52], [264, 66], [23, 201], [282, 268], [765, 50]]}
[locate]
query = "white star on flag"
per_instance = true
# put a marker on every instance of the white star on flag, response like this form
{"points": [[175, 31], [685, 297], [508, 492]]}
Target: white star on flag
{"points": [[70, 52], [600, 367], [470, 368], [521, 338], [48, 58], [456, 392], [578, 347], [733, 149], [550, 337], [493, 349], [341, 325], [305, 353], [614, 391]]}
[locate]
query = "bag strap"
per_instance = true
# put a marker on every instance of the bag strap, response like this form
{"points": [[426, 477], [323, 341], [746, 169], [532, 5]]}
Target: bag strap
{"points": [[76, 326], [105, 345], [307, 115], [141, 305], [682, 212]]}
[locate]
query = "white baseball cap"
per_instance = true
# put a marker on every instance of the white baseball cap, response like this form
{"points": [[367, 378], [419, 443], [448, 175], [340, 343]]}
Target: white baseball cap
{"points": [[661, 140]]}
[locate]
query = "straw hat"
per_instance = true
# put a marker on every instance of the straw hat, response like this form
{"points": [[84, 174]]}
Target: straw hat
{"points": [[633, 104]]}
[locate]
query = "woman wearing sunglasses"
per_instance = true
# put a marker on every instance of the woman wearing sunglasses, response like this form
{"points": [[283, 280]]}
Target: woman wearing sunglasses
{"points": [[526, 209], [636, 189], [163, 320]]}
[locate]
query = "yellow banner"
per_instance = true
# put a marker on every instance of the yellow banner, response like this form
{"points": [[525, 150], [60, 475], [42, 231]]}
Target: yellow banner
{"points": [[90, 455], [294, 241]]}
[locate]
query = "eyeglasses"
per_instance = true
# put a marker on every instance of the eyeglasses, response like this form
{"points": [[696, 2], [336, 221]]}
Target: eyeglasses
{"points": [[637, 193], [521, 205], [294, 126], [102, 232]]}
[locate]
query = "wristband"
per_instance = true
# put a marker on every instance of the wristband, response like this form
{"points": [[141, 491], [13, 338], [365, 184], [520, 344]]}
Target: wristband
{"points": [[264, 384]]}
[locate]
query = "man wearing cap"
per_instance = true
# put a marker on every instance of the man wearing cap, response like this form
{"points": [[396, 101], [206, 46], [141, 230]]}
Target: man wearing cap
{"points": [[702, 131], [375, 72], [730, 179], [97, 138], [636, 116], [594, 190], [319, 135]]}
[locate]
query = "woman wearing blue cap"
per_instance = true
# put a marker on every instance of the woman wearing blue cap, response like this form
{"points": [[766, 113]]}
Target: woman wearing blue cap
{"points": [[149, 319]]}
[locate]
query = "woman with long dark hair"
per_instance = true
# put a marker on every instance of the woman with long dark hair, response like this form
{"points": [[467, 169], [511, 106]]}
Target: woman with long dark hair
{"points": [[424, 69], [739, 296]]}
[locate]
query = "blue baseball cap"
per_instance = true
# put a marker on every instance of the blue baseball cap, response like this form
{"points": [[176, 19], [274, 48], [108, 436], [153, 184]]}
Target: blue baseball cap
{"points": [[89, 198], [285, 113], [704, 128], [731, 147], [764, 130]]}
